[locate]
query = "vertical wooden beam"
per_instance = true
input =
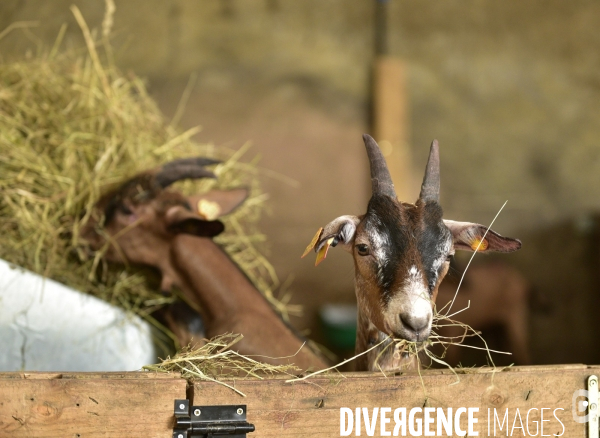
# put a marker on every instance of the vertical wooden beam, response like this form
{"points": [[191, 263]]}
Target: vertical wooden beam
{"points": [[390, 123]]}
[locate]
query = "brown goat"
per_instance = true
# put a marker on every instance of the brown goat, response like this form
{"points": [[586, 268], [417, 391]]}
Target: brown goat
{"points": [[493, 294], [146, 224], [401, 254]]}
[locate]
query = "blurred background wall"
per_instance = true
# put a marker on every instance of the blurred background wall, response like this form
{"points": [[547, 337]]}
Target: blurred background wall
{"points": [[510, 89]]}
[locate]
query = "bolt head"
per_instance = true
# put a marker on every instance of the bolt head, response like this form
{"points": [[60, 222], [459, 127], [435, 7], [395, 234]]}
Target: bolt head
{"points": [[180, 435], [593, 382], [240, 411], [181, 406], [197, 412], [593, 406]]}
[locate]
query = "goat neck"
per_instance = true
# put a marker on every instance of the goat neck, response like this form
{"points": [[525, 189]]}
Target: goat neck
{"points": [[230, 303]]}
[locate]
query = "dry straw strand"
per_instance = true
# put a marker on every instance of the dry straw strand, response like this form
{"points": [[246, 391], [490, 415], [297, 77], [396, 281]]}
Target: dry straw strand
{"points": [[215, 360], [473, 256]]}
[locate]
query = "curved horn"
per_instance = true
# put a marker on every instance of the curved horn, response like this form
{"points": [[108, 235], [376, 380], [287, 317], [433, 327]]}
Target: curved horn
{"points": [[430, 189], [381, 181], [185, 168], [148, 184]]}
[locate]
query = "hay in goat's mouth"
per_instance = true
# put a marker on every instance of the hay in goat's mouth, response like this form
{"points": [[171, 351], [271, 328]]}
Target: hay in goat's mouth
{"points": [[413, 349], [410, 349], [215, 360], [73, 126]]}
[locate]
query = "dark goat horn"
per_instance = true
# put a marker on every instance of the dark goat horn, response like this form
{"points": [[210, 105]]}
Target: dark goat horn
{"points": [[381, 181], [185, 168], [430, 189]]}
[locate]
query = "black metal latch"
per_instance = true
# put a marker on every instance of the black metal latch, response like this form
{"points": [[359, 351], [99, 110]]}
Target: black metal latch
{"points": [[210, 421]]}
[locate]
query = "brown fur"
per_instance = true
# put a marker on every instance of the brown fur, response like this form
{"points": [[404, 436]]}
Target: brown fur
{"points": [[154, 227], [495, 294], [401, 254]]}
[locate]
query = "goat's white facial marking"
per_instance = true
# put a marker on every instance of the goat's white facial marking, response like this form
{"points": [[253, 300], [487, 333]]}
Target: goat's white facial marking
{"points": [[414, 281], [444, 251], [380, 248], [416, 305]]}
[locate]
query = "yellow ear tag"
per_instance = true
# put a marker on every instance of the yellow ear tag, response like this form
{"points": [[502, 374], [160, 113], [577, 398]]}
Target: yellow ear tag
{"points": [[209, 210], [323, 251], [475, 244], [312, 243]]}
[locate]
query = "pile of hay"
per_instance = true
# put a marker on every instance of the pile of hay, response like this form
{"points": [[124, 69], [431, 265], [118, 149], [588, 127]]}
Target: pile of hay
{"points": [[215, 361], [71, 127]]}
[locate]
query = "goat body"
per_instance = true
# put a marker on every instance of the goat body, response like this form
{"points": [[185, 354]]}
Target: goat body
{"points": [[401, 254], [149, 225]]}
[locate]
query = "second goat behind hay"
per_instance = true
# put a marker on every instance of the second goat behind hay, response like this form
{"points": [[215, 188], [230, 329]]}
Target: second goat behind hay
{"points": [[147, 224]]}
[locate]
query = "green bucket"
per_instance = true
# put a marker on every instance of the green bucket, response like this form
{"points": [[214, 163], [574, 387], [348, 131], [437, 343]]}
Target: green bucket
{"points": [[338, 322]]}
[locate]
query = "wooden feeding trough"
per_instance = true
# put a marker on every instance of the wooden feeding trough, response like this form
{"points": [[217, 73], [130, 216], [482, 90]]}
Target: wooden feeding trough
{"points": [[515, 401]]}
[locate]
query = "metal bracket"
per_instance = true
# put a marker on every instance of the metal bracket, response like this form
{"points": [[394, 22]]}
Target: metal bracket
{"points": [[210, 421], [592, 384]]}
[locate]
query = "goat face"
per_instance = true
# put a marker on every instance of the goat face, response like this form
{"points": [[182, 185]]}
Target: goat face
{"points": [[401, 254], [401, 251], [140, 218]]}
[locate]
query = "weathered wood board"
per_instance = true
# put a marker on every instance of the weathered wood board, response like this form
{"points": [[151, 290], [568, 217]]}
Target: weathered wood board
{"points": [[82, 405], [312, 408], [141, 404]]}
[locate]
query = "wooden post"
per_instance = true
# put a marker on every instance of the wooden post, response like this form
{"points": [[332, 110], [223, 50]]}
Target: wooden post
{"points": [[390, 123]]}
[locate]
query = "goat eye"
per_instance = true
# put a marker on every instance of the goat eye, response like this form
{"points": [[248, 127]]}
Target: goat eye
{"points": [[124, 209], [362, 249]]}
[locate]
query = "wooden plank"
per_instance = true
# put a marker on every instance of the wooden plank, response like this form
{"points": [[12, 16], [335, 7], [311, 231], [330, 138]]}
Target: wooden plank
{"points": [[44, 405], [141, 404], [312, 408], [87, 375]]}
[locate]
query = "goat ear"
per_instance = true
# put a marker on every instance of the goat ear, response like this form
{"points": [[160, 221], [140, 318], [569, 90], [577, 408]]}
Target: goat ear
{"points": [[340, 231], [181, 220], [217, 203], [469, 237]]}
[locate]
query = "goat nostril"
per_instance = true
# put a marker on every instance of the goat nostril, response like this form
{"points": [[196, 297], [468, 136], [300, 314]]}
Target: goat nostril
{"points": [[414, 323]]}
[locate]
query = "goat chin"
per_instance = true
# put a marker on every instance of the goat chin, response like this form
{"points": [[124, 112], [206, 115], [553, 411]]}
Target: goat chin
{"points": [[393, 362], [390, 359]]}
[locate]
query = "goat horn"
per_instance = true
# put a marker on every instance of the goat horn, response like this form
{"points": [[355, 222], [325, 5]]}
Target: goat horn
{"points": [[430, 189], [381, 181], [185, 168]]}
